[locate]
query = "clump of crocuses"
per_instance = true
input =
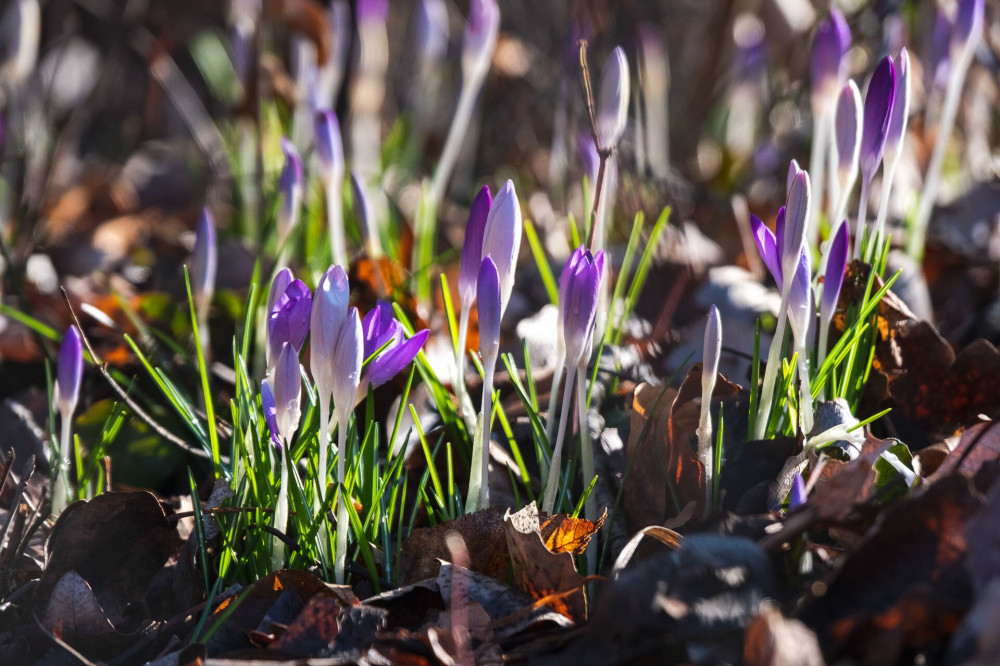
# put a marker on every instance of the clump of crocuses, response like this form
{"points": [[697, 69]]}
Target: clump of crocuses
{"points": [[340, 344]]}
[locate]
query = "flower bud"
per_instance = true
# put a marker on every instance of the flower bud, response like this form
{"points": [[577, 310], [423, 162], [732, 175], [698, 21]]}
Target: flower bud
{"points": [[580, 296], [472, 247], [287, 392], [488, 304], [833, 279], [480, 39], [329, 145], [329, 311], [796, 216], [502, 239], [69, 372], [290, 189], [968, 28], [878, 110], [848, 134], [348, 359], [900, 106], [204, 261], [288, 321], [830, 45], [612, 101]]}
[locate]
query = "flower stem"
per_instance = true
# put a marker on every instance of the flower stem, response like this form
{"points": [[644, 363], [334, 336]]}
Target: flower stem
{"points": [[773, 364], [335, 216], [552, 483], [340, 554], [859, 225], [281, 513], [586, 458], [461, 391]]}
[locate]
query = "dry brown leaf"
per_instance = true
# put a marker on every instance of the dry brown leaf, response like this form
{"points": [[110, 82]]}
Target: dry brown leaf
{"points": [[538, 570], [483, 533], [563, 534], [775, 640]]}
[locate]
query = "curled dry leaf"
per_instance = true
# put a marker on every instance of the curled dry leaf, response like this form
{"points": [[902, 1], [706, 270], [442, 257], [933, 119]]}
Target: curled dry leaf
{"points": [[538, 570], [662, 450], [483, 533], [563, 534]]}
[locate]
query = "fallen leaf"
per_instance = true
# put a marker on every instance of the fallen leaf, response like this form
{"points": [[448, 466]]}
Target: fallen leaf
{"points": [[74, 615], [539, 571], [775, 640], [563, 534], [483, 532]]}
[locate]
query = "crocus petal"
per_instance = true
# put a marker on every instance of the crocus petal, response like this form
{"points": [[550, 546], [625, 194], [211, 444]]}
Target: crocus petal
{"points": [[279, 284], [581, 306], [287, 391], [793, 170], [289, 320], [489, 307], [796, 217], [270, 410], [348, 359], [502, 239], [379, 327], [712, 344], [834, 277], [290, 188], [391, 362], [329, 310], [329, 144], [900, 104], [800, 307], [69, 371], [480, 38], [767, 247], [848, 131], [968, 25], [830, 45], [797, 496], [878, 109], [612, 100], [472, 247], [204, 259]]}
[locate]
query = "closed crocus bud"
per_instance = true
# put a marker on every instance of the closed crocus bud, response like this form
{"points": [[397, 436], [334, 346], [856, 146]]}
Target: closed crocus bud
{"points": [[489, 307], [348, 359], [848, 130], [432, 30], [796, 216], [472, 246], [69, 372], [797, 495], [287, 392], [480, 38], [288, 321], [279, 284], [392, 361], [329, 310], [968, 29], [329, 145], [380, 327], [502, 239], [580, 311], [830, 45], [767, 246], [900, 106], [290, 189], [270, 410], [878, 110], [612, 101], [204, 261], [712, 348], [834, 277]]}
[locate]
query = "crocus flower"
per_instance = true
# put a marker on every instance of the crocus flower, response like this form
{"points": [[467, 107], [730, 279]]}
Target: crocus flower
{"points": [[580, 309], [472, 246], [796, 217], [379, 327], [431, 29], [392, 361], [490, 308], [69, 372], [329, 310], [830, 45], [288, 320], [290, 188], [968, 27], [612, 100], [287, 392], [329, 145], [833, 278], [347, 359], [502, 238], [878, 110], [480, 39], [279, 284], [800, 308], [204, 261], [710, 369], [797, 496], [793, 170], [895, 134], [767, 246], [848, 144]]}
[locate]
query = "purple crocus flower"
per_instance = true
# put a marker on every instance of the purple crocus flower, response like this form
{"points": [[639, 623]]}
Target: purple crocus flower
{"points": [[69, 372], [581, 293], [830, 45], [279, 284], [793, 170], [288, 321], [348, 357], [329, 311], [767, 246], [290, 185], [287, 392], [379, 327], [797, 495], [612, 100], [502, 238], [270, 410], [968, 28], [878, 110], [848, 130], [900, 105], [796, 217], [480, 37], [800, 304], [393, 360], [204, 261], [472, 247], [329, 144], [834, 276]]}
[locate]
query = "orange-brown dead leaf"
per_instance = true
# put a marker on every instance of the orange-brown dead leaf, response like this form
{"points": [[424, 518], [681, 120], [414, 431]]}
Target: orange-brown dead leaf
{"points": [[563, 534]]}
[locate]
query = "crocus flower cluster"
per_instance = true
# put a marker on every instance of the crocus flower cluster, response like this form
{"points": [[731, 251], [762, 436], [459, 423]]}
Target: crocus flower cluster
{"points": [[492, 243], [341, 342], [579, 290]]}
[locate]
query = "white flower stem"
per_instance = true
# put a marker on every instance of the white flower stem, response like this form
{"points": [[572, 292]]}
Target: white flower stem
{"points": [[586, 458], [888, 172], [461, 391], [550, 426], [705, 443], [552, 483], [323, 476], [479, 479], [859, 225], [61, 487], [805, 391], [773, 366], [824, 341], [817, 167], [281, 512], [335, 216], [928, 195], [453, 143], [340, 554]]}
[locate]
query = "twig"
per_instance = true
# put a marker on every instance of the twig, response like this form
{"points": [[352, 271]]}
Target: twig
{"points": [[603, 153]]}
